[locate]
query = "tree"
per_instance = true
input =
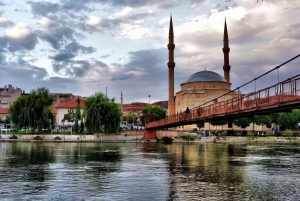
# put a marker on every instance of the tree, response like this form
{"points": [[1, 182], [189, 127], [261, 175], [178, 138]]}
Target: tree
{"points": [[102, 114], [159, 113], [263, 119], [131, 117], [34, 110], [70, 116], [242, 122], [76, 126], [289, 120], [78, 112], [219, 122]]}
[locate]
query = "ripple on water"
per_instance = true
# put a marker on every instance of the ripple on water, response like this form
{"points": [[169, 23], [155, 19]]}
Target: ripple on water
{"points": [[95, 171]]}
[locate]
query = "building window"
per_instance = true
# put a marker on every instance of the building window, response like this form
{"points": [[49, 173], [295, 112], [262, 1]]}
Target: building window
{"points": [[203, 86], [178, 103], [214, 86]]}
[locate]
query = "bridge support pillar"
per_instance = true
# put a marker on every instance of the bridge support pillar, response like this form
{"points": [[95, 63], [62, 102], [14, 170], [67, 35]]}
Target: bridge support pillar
{"points": [[150, 134]]}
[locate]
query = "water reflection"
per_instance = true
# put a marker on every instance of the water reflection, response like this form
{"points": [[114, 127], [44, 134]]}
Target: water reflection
{"points": [[149, 171]]}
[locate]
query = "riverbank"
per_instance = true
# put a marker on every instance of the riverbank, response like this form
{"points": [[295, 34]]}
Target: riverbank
{"points": [[140, 138], [233, 139]]}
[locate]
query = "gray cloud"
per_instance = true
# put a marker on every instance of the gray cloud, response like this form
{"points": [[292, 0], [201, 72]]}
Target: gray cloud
{"points": [[57, 33], [3, 44], [63, 56], [123, 77], [5, 23], [87, 4], [63, 59], [77, 68], [117, 65], [147, 59], [27, 43], [75, 47], [105, 56], [25, 71], [43, 8], [2, 58], [99, 63], [107, 24]]}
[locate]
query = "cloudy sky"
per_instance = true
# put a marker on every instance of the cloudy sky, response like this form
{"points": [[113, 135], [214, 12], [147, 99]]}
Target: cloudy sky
{"points": [[84, 46]]}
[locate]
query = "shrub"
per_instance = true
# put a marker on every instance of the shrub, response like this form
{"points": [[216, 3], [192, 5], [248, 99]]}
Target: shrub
{"points": [[38, 138], [287, 133], [13, 137], [250, 134], [57, 138], [189, 136], [230, 132], [244, 133], [269, 133], [167, 140]]}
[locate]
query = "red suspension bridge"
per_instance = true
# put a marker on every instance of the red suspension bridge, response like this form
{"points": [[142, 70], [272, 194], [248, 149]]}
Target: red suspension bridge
{"points": [[279, 97]]}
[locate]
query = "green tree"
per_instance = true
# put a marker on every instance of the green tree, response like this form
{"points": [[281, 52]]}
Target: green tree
{"points": [[131, 117], [76, 126], [242, 122], [102, 114], [81, 126], [159, 113], [78, 112], [289, 120], [34, 110], [263, 119], [70, 116], [218, 123]]}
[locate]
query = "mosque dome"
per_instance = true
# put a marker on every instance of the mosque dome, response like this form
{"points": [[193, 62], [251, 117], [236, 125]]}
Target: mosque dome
{"points": [[205, 76]]}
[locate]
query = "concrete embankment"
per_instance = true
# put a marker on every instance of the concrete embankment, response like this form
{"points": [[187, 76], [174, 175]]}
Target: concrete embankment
{"points": [[71, 138]]}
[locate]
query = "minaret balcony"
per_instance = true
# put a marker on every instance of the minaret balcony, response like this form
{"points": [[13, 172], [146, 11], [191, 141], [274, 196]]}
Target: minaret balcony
{"points": [[171, 46]]}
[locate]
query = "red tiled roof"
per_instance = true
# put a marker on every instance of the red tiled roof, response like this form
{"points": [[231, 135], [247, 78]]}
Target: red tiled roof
{"points": [[71, 104], [4, 111], [54, 110]]}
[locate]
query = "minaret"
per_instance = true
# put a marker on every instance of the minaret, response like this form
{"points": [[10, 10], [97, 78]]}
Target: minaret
{"points": [[171, 66], [226, 50]]}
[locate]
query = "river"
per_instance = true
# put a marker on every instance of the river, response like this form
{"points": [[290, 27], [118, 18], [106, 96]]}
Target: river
{"points": [[149, 171]]}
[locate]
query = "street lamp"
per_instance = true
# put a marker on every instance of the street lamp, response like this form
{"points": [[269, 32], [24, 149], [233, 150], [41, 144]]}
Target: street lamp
{"points": [[149, 104]]}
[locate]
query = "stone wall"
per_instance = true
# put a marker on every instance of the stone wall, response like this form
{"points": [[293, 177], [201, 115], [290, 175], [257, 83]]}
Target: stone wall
{"points": [[75, 137], [161, 134]]}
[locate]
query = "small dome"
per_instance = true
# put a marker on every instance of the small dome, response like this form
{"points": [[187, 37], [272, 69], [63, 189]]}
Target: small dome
{"points": [[204, 76]]}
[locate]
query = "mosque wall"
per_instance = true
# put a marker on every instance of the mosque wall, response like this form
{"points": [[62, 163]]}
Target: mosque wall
{"points": [[200, 93]]}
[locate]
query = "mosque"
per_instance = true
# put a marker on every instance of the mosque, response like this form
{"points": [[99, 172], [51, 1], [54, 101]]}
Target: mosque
{"points": [[202, 86]]}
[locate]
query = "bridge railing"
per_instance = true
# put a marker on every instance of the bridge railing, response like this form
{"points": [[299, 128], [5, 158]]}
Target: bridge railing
{"points": [[285, 91]]}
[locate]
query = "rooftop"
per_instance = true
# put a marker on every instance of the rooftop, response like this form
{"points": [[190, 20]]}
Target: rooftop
{"points": [[205, 76]]}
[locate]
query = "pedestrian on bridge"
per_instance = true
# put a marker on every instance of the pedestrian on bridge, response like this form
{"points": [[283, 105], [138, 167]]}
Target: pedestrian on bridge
{"points": [[187, 111]]}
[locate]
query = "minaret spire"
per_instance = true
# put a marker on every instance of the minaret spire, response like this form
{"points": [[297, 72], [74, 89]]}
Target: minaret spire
{"points": [[226, 51], [171, 66]]}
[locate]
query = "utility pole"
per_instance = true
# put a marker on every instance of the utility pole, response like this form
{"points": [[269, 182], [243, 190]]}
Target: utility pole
{"points": [[149, 104]]}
